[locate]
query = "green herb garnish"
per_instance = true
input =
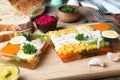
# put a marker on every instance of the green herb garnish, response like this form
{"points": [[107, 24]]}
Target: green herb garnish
{"points": [[31, 37], [42, 37], [85, 21], [29, 48], [68, 9], [27, 35], [81, 37], [93, 42]]}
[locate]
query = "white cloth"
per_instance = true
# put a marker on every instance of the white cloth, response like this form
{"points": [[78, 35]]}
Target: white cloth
{"points": [[111, 5]]}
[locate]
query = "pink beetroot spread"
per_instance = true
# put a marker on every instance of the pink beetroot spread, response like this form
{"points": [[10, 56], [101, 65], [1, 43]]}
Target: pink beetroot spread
{"points": [[45, 19]]}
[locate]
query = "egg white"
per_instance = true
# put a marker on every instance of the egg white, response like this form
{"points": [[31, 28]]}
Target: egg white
{"points": [[18, 40], [35, 43]]}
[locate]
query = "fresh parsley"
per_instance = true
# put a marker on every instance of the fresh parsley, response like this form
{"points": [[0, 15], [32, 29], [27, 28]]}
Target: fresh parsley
{"points": [[27, 35], [31, 37], [85, 21], [81, 37], [93, 42], [42, 37], [69, 9], [29, 48]]}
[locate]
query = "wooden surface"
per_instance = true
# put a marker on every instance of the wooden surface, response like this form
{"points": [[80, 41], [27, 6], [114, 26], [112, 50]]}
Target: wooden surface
{"points": [[52, 68]]}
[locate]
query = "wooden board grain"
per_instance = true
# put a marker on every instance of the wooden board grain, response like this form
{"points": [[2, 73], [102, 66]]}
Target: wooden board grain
{"points": [[52, 68]]}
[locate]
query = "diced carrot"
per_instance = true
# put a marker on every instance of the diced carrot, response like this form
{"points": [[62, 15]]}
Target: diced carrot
{"points": [[101, 26], [66, 55], [103, 50]]}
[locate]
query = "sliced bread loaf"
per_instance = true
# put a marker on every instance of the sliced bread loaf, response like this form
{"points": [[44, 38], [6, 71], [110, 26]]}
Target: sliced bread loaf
{"points": [[6, 35], [10, 16], [11, 20], [31, 8]]}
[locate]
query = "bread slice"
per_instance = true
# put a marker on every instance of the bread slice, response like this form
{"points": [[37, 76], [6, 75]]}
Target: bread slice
{"points": [[6, 32], [12, 21], [9, 16], [6, 27], [31, 8], [6, 35]]}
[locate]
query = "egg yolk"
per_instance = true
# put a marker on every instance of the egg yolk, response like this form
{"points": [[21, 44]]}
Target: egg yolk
{"points": [[112, 34], [10, 49], [86, 29]]}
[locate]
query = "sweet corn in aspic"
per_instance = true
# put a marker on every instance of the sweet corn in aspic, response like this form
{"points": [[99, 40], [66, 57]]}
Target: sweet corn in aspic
{"points": [[77, 42], [75, 48]]}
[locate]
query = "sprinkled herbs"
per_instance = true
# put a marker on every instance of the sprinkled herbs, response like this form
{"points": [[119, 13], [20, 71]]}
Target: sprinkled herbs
{"points": [[31, 37], [29, 48], [68, 9], [81, 37]]}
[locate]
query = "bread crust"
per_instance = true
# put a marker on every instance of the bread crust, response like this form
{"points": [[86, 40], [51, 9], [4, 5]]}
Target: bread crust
{"points": [[6, 36], [7, 27], [6, 32], [23, 26], [31, 8]]}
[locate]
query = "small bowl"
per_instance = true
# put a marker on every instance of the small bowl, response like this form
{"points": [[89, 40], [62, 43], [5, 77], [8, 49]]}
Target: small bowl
{"points": [[47, 27], [5, 71], [68, 17]]}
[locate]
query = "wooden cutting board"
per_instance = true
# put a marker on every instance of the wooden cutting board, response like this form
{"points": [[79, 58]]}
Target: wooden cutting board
{"points": [[52, 68]]}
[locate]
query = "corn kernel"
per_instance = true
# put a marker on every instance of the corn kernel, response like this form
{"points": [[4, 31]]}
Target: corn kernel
{"points": [[94, 46], [30, 59]]}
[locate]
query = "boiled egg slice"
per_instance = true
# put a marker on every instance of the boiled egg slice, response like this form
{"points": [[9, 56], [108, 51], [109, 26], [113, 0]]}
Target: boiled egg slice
{"points": [[18, 40], [24, 56], [110, 34], [85, 29]]}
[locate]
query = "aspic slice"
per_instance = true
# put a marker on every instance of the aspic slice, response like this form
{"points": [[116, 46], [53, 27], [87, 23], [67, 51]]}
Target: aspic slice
{"points": [[24, 50], [81, 42]]}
